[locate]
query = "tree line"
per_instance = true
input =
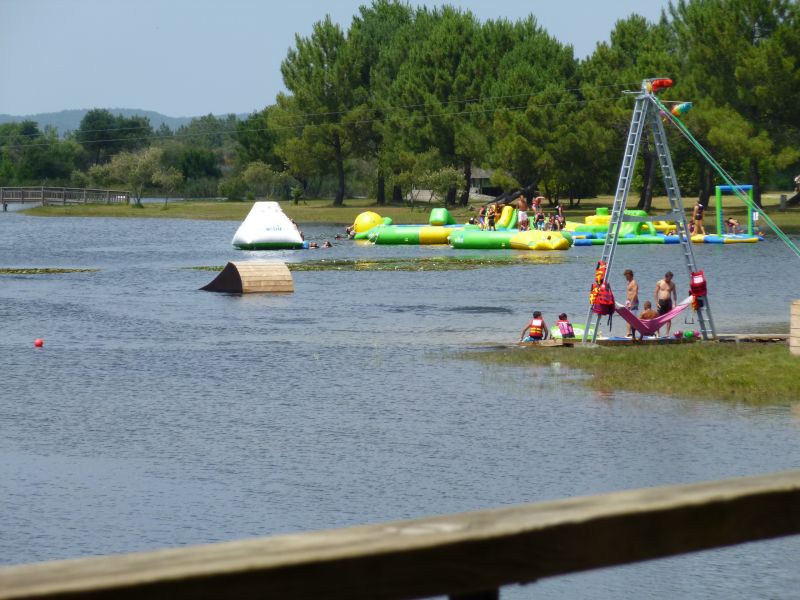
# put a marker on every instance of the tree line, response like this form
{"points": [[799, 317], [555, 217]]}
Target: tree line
{"points": [[411, 97]]}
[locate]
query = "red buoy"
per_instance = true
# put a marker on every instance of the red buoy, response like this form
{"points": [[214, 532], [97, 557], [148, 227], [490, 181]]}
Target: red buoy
{"points": [[38, 342]]}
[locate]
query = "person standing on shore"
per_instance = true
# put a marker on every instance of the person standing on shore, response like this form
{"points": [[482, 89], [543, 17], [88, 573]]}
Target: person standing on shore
{"points": [[632, 296], [665, 295]]}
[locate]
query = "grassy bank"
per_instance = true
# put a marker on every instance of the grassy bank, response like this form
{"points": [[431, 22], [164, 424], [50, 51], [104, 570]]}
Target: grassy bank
{"points": [[311, 211], [321, 211], [756, 374]]}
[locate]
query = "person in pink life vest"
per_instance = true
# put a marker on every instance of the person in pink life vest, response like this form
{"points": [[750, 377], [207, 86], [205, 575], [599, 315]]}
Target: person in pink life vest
{"points": [[565, 327]]}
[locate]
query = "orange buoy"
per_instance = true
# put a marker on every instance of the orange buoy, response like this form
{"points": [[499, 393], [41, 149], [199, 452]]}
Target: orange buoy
{"points": [[38, 342]]}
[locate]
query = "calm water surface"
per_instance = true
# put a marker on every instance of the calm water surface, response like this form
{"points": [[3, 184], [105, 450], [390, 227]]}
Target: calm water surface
{"points": [[157, 415]]}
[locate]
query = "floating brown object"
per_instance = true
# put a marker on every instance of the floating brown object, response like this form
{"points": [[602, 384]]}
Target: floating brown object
{"points": [[252, 277]]}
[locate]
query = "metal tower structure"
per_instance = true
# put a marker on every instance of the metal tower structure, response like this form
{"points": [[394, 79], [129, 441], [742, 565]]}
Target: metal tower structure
{"points": [[646, 114]]}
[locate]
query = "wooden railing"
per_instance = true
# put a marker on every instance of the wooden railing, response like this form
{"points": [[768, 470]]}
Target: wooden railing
{"points": [[468, 555], [62, 195]]}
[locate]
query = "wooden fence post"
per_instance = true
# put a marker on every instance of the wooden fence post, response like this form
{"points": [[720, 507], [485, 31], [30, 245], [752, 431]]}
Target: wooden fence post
{"points": [[794, 331]]}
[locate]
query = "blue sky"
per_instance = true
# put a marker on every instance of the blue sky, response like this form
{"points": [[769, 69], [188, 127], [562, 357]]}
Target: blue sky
{"points": [[194, 57]]}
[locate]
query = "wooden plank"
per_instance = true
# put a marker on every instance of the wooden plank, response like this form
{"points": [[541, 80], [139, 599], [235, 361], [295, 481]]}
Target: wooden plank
{"points": [[253, 277], [451, 554], [752, 337], [794, 331]]}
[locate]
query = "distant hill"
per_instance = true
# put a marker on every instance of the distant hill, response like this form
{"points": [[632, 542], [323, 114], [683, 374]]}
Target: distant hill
{"points": [[70, 120]]}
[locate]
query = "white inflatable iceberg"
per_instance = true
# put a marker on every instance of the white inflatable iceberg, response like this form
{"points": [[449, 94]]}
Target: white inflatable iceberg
{"points": [[266, 227]]}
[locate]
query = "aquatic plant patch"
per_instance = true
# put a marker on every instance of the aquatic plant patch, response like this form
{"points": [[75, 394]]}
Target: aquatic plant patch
{"points": [[415, 264], [42, 271]]}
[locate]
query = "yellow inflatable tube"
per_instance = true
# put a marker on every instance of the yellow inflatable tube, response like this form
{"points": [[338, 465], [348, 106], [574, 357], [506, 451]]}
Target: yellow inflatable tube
{"points": [[434, 234], [505, 217], [603, 220], [539, 240], [366, 221], [663, 226]]}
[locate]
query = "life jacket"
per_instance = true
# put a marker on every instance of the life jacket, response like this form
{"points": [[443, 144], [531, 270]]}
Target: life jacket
{"points": [[697, 303], [536, 329], [697, 284], [600, 272], [602, 299], [565, 327], [660, 84]]}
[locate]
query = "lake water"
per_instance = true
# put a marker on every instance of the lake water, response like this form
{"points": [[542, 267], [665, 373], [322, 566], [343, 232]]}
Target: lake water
{"points": [[157, 415]]}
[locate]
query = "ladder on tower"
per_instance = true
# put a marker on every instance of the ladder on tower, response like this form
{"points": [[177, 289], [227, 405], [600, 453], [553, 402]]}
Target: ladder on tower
{"points": [[646, 114]]}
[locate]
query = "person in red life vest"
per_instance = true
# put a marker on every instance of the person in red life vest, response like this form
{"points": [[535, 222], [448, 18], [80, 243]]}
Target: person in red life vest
{"points": [[732, 225], [536, 330], [565, 327]]}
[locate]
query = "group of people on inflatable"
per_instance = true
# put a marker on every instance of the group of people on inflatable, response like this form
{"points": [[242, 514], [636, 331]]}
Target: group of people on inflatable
{"points": [[490, 213]]}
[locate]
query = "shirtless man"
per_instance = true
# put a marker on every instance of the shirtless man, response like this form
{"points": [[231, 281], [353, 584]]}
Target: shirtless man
{"points": [[632, 296], [522, 214], [665, 296]]}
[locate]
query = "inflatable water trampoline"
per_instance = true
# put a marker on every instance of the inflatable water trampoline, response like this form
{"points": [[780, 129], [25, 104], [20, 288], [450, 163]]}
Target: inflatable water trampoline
{"points": [[266, 227]]}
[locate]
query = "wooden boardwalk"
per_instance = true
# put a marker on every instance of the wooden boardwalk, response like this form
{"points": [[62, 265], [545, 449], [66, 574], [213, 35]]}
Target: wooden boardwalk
{"points": [[61, 196], [465, 556], [747, 338]]}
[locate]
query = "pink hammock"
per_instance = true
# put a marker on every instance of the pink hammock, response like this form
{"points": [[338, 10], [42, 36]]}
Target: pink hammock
{"points": [[651, 326]]}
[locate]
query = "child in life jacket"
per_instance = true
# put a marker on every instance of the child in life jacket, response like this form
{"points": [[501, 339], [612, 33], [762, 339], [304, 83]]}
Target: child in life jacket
{"points": [[565, 327], [536, 329], [491, 214]]}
